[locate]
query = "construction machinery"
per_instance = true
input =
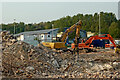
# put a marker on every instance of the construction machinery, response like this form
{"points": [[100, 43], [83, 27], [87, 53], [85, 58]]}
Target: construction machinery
{"points": [[63, 39], [117, 50], [88, 46]]}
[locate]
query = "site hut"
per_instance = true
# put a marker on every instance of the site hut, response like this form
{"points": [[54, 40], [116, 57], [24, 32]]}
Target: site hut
{"points": [[89, 34], [117, 41], [43, 35]]}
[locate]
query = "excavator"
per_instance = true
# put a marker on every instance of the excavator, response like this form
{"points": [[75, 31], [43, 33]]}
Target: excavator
{"points": [[87, 45], [76, 46], [63, 39]]}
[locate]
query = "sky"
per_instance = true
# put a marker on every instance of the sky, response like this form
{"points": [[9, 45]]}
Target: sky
{"points": [[119, 10], [59, 0], [35, 12]]}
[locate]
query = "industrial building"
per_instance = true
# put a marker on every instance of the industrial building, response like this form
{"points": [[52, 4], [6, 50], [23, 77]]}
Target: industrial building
{"points": [[43, 35]]}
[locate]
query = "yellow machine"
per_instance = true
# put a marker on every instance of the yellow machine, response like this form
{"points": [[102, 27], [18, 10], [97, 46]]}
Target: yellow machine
{"points": [[54, 45], [63, 39], [117, 50]]}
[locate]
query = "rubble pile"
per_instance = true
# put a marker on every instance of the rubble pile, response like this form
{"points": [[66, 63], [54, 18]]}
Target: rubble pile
{"points": [[93, 65], [7, 39], [23, 60]]}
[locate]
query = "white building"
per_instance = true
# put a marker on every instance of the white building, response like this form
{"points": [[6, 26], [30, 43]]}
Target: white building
{"points": [[117, 41], [43, 35], [90, 34]]}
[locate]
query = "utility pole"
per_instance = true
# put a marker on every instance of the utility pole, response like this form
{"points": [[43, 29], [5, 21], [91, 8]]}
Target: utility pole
{"points": [[99, 25], [14, 26]]}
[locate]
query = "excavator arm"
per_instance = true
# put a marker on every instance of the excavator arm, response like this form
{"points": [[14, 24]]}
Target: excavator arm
{"points": [[76, 26], [103, 36]]}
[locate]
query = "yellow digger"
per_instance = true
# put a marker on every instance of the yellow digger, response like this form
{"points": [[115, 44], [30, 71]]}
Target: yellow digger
{"points": [[63, 39]]}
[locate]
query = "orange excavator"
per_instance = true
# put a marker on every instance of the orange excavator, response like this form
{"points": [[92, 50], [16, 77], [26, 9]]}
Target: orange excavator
{"points": [[88, 44]]}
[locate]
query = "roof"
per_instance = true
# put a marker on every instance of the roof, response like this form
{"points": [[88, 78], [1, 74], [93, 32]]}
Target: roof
{"points": [[36, 32]]}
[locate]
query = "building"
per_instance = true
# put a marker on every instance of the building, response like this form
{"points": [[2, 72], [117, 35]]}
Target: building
{"points": [[90, 34], [43, 35], [59, 34], [117, 41], [83, 34]]}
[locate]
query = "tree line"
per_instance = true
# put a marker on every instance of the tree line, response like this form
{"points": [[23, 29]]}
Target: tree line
{"points": [[108, 23]]}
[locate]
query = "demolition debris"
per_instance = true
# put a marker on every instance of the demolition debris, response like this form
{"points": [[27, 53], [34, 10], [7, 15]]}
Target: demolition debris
{"points": [[21, 60]]}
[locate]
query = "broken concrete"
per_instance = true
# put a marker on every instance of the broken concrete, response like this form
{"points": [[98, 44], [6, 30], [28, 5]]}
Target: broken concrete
{"points": [[26, 61]]}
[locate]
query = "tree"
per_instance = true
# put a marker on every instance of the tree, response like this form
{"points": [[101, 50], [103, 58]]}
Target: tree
{"points": [[114, 31], [89, 23]]}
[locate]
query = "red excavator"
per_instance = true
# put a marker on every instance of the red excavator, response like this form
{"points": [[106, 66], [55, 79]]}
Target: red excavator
{"points": [[87, 45]]}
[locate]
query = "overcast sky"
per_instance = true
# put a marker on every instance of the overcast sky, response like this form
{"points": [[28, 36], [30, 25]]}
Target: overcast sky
{"points": [[35, 12]]}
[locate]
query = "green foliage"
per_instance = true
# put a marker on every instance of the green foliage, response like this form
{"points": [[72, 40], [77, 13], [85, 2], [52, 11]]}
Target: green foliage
{"points": [[90, 23], [114, 29], [72, 35]]}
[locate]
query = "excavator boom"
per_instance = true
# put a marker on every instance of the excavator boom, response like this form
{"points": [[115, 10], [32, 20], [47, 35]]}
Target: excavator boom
{"points": [[101, 37], [76, 26]]}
